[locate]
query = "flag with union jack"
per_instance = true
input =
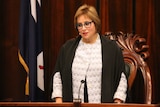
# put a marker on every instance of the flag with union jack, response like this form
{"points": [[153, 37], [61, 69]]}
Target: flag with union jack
{"points": [[30, 51]]}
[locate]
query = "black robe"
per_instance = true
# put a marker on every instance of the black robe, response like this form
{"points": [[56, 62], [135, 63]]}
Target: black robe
{"points": [[112, 67]]}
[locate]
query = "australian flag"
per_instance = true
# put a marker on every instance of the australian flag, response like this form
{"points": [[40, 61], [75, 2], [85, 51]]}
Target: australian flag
{"points": [[30, 48]]}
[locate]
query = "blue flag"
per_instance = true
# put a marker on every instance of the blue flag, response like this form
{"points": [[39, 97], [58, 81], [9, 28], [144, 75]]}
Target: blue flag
{"points": [[30, 48]]}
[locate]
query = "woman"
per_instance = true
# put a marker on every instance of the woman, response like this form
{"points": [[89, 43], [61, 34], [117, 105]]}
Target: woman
{"points": [[92, 58]]}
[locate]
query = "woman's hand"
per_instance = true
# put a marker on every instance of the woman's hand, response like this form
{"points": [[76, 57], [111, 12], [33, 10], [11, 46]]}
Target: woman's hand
{"points": [[118, 101], [58, 100]]}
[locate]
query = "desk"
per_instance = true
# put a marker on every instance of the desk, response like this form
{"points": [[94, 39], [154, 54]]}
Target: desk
{"points": [[52, 104]]}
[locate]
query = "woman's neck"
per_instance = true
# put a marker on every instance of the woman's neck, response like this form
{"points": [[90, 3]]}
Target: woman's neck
{"points": [[91, 40]]}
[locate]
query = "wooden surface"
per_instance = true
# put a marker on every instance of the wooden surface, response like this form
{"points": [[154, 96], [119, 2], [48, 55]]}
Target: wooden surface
{"points": [[52, 104]]}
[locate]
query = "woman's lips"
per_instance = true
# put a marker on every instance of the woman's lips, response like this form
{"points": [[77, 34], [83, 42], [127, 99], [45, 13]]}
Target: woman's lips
{"points": [[85, 33]]}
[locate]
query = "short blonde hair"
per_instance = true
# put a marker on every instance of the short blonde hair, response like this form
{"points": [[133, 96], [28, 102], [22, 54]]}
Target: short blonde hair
{"points": [[89, 11]]}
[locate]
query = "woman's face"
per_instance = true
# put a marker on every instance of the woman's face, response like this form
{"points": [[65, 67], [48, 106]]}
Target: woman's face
{"points": [[86, 29]]}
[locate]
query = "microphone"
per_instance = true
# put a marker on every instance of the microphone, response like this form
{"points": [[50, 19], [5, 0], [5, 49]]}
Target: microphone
{"points": [[78, 99], [82, 81]]}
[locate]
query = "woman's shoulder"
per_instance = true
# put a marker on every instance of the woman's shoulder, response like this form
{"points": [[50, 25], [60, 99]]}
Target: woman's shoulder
{"points": [[106, 40], [72, 41], [108, 43]]}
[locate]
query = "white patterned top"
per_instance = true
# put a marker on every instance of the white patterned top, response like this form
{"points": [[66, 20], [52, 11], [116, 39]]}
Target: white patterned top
{"points": [[87, 64]]}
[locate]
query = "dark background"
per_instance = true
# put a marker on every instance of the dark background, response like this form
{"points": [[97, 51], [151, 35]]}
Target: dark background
{"points": [[129, 16]]}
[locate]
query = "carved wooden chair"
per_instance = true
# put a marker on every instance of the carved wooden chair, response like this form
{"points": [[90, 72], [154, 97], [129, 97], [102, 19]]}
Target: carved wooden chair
{"points": [[135, 53]]}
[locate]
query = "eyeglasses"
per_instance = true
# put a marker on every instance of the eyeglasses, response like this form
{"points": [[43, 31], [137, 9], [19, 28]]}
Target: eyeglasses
{"points": [[86, 25]]}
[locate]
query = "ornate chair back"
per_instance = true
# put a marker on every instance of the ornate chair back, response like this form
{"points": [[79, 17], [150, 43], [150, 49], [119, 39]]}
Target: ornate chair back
{"points": [[135, 53]]}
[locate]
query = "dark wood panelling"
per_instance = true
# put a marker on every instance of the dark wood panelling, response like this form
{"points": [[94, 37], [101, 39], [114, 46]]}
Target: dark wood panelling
{"points": [[12, 80], [57, 15], [116, 15], [145, 24]]}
